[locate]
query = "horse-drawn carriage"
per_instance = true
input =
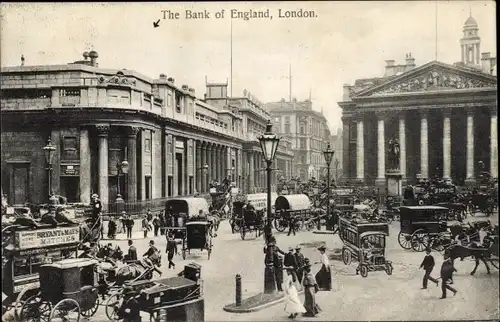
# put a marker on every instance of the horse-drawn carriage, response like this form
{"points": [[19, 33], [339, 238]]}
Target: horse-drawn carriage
{"points": [[482, 202], [68, 289], [344, 199], [292, 207], [222, 201], [364, 242], [258, 201], [171, 299], [24, 250], [198, 236], [419, 223], [179, 210]]}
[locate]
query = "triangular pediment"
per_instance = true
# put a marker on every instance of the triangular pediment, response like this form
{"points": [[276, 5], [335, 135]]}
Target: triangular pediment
{"points": [[433, 76]]}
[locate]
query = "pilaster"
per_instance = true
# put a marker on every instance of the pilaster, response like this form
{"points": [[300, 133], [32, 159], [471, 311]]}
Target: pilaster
{"points": [[85, 166], [132, 161], [102, 133]]}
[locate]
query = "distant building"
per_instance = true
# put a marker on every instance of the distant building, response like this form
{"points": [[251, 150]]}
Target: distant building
{"points": [[337, 146], [308, 131], [444, 116]]}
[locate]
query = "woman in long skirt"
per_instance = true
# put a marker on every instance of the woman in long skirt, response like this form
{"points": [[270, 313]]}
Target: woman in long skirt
{"points": [[292, 304], [324, 276], [310, 289]]}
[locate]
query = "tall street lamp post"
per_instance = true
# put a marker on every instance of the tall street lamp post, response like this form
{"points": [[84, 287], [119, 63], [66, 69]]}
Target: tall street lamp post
{"points": [[328, 154], [336, 171], [49, 150], [269, 145], [122, 168]]}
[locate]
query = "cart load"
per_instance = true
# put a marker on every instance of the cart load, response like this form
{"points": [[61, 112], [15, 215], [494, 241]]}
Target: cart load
{"points": [[418, 223], [258, 201], [222, 198], [198, 236]]}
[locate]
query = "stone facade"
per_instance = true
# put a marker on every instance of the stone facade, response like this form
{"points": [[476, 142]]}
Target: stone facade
{"points": [[308, 131], [444, 116], [96, 118]]}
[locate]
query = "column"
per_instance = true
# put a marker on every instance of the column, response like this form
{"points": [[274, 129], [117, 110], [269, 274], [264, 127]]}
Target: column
{"points": [[493, 144], [446, 144], [470, 146], [251, 172], [473, 52], [360, 152], [402, 145], [462, 52], [102, 133], [381, 149], [85, 179], [424, 146], [208, 161], [213, 165], [132, 163], [199, 166], [478, 55]]}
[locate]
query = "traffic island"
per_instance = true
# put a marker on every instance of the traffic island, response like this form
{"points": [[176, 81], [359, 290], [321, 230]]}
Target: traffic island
{"points": [[256, 302], [324, 232]]}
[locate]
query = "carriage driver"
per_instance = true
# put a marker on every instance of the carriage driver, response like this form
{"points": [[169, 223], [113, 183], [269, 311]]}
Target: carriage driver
{"points": [[129, 309], [367, 249]]}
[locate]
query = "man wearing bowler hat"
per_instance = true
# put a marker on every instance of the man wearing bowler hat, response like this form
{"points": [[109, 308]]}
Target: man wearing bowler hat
{"points": [[299, 258], [290, 264], [129, 310]]}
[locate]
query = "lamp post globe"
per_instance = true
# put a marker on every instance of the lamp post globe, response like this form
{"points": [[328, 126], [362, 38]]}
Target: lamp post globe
{"points": [[269, 144], [328, 154]]}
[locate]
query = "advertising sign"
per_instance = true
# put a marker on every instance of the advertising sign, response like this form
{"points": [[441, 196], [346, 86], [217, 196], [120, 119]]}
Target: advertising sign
{"points": [[47, 237], [343, 191]]}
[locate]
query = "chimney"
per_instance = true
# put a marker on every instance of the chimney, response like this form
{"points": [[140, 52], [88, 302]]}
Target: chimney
{"points": [[93, 58], [191, 90], [410, 62], [163, 77], [171, 80], [185, 87], [346, 94], [389, 68]]}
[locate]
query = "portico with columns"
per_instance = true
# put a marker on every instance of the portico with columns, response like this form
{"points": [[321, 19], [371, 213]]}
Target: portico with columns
{"points": [[444, 128]]}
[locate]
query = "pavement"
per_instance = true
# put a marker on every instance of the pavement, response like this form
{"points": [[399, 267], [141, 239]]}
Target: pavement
{"points": [[376, 297]]}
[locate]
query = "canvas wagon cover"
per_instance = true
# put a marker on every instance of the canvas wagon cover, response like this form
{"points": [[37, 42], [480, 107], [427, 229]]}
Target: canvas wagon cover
{"points": [[293, 202], [259, 200], [193, 205]]}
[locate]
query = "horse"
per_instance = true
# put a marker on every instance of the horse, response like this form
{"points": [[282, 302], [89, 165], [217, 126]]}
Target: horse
{"points": [[474, 250]]}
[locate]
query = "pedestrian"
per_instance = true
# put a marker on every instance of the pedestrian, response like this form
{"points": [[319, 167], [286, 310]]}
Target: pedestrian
{"points": [[156, 224], [145, 226], [149, 215], [293, 305], [299, 258], [291, 224], [428, 265], [111, 229], [162, 222], [132, 251], [310, 289], [153, 254], [130, 224], [278, 269], [96, 207], [290, 264], [130, 309], [447, 270], [171, 251], [324, 275]]}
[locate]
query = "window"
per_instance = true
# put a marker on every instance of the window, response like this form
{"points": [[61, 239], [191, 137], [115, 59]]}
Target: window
{"points": [[169, 100], [302, 129], [302, 144], [178, 102], [147, 145], [26, 93], [287, 128], [69, 148]]}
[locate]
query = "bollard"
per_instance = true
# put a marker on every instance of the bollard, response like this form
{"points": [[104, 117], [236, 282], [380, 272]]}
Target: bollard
{"points": [[238, 290], [319, 222]]}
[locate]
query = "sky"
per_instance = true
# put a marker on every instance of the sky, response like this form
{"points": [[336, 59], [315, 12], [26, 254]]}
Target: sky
{"points": [[344, 41]]}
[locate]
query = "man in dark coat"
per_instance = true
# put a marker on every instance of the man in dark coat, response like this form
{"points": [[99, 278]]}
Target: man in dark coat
{"points": [[130, 309], [290, 264], [428, 265], [278, 269], [130, 223], [299, 258], [96, 207], [132, 251], [291, 224], [447, 270], [171, 250]]}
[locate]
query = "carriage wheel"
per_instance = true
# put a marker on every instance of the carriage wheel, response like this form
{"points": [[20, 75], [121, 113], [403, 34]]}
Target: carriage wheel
{"points": [[112, 306], [242, 232], [363, 270], [346, 256], [22, 297], [388, 268], [419, 240], [35, 310], [90, 312], [494, 262], [279, 225], [404, 240], [236, 226], [66, 310]]}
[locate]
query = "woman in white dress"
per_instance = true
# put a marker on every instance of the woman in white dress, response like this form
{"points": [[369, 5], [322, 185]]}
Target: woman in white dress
{"points": [[293, 305], [324, 276]]}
